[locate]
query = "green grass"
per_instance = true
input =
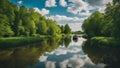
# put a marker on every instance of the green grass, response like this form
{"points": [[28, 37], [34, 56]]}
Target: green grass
{"points": [[104, 41], [21, 41]]}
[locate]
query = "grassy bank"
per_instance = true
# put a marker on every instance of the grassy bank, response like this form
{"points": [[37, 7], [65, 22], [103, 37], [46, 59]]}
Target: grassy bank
{"points": [[15, 41], [104, 41], [22, 41]]}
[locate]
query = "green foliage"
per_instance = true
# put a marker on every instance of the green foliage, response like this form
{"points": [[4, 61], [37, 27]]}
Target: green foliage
{"points": [[110, 41], [62, 29], [93, 25], [24, 21], [42, 28], [51, 31], [77, 32], [5, 29], [67, 29], [116, 1], [116, 21], [15, 41], [106, 24]]}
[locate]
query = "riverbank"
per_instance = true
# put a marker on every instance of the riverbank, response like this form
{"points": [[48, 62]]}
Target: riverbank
{"points": [[22, 41], [110, 41]]}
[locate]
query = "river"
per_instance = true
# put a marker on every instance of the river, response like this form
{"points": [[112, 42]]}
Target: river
{"points": [[59, 53]]}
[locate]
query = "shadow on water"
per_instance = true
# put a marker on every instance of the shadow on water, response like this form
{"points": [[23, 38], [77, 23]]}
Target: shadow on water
{"points": [[109, 55], [27, 56]]}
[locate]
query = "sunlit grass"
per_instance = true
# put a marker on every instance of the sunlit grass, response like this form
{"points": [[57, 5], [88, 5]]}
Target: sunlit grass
{"points": [[15, 41], [105, 41]]}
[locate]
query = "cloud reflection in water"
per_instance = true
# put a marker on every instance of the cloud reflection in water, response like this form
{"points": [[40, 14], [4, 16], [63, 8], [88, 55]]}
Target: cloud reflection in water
{"points": [[75, 58]]}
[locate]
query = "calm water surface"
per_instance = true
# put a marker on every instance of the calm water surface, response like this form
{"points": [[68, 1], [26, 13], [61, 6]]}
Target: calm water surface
{"points": [[59, 53]]}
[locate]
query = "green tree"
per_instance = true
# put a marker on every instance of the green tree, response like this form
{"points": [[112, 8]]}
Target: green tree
{"points": [[67, 29], [116, 1], [22, 21], [51, 31], [116, 21], [107, 28], [42, 28], [62, 29], [5, 29], [93, 25]]}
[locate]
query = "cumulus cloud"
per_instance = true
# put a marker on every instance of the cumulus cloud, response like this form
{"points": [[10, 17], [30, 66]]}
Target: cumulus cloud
{"points": [[63, 3], [50, 3], [74, 22], [75, 26], [20, 2], [100, 4], [61, 19], [76, 6], [95, 3], [43, 11], [85, 14]]}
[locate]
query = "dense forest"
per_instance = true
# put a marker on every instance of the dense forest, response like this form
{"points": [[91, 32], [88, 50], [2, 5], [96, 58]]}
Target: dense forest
{"points": [[21, 21], [104, 26]]}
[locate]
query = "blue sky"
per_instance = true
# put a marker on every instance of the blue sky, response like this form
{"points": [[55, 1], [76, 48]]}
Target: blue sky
{"points": [[72, 12]]}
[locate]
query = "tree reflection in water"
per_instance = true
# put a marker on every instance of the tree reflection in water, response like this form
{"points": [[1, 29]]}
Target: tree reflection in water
{"points": [[58, 53], [109, 55], [27, 56]]}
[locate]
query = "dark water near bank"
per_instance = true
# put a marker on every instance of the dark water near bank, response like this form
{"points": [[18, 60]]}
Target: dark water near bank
{"points": [[60, 53]]}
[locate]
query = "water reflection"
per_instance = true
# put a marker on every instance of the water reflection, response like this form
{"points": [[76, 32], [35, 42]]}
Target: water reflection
{"points": [[68, 57], [48, 53], [27, 57], [108, 55]]}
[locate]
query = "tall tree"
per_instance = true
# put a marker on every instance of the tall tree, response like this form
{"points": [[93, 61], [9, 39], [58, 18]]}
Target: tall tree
{"points": [[93, 25], [42, 28], [67, 29]]}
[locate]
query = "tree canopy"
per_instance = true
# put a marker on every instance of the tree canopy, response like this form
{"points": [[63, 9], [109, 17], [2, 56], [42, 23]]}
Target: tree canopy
{"points": [[22, 21], [107, 24]]}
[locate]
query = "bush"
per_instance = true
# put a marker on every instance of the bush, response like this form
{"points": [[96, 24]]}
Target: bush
{"points": [[18, 41], [111, 41], [35, 35]]}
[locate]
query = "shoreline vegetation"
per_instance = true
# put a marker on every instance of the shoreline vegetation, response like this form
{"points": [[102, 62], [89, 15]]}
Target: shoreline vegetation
{"points": [[104, 28], [108, 41], [22, 41], [20, 25]]}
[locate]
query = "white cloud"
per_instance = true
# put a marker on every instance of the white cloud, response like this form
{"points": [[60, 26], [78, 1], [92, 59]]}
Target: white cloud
{"points": [[43, 11], [76, 6], [75, 26], [86, 13], [20, 2], [95, 3], [63, 3], [64, 19], [74, 22], [50, 3], [100, 4]]}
